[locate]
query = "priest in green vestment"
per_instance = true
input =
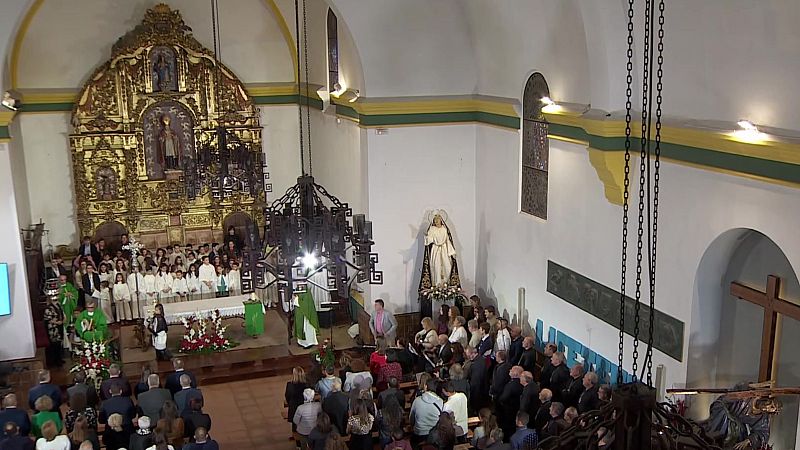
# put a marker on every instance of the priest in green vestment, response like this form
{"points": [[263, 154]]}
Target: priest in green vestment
{"points": [[91, 324], [306, 323], [68, 297]]}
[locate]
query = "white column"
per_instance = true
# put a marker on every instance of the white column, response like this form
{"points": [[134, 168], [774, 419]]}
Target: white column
{"points": [[16, 329]]}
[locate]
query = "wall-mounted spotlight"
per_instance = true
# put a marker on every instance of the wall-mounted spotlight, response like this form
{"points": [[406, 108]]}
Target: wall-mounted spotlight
{"points": [[11, 100], [749, 133], [550, 106]]}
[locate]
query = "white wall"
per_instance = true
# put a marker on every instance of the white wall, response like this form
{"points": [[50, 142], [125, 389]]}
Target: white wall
{"points": [[16, 329], [411, 171], [280, 144], [583, 233], [48, 171]]}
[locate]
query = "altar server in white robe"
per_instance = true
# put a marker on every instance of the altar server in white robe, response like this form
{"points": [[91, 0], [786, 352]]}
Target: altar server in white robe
{"points": [[179, 286], [158, 327], [164, 284], [136, 286], [122, 298], [150, 290], [208, 279], [234, 279], [193, 283]]}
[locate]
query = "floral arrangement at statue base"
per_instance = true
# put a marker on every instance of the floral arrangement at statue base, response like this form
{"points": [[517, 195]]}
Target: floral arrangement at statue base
{"points": [[443, 293], [205, 334], [93, 360], [324, 355]]}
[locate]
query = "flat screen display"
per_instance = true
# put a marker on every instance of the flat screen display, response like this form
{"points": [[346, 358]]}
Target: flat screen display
{"points": [[5, 291]]}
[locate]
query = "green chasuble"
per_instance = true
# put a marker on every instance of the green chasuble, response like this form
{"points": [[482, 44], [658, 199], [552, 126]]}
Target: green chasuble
{"points": [[92, 328], [254, 318], [305, 310], [68, 296]]}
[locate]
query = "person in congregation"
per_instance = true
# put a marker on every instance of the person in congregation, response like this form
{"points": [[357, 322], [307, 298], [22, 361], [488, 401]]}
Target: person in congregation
{"points": [[445, 352], [515, 349], [474, 336], [508, 402], [151, 402], [459, 333], [12, 414], [529, 400], [485, 344], [171, 424], [488, 422], [496, 441], [120, 406], [336, 405], [425, 412], [443, 435], [173, 381], [427, 337], [456, 404], [45, 388], [359, 370], [476, 310], [55, 268], [501, 375], [186, 393], [570, 414], [319, 434], [491, 317], [569, 396], [556, 424], [117, 433], [91, 283], [325, 383], [81, 432], [589, 400], [195, 418], [523, 438], [559, 379], [547, 368], [392, 369], [201, 441], [78, 408], [12, 440], [359, 426], [45, 413], [377, 359], [158, 329], [54, 323], [143, 437], [502, 339], [478, 377], [442, 322], [179, 286], [51, 438], [293, 393], [459, 379], [392, 393], [543, 413], [603, 395], [382, 323], [305, 416], [115, 378]]}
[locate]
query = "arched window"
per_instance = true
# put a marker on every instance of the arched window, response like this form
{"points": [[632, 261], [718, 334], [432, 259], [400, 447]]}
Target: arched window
{"points": [[535, 148], [333, 51]]}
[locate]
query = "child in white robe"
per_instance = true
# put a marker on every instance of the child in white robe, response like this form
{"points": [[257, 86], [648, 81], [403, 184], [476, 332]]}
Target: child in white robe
{"points": [[122, 298], [150, 290], [179, 286], [221, 282], [193, 283], [136, 288], [234, 279], [105, 301], [164, 284]]}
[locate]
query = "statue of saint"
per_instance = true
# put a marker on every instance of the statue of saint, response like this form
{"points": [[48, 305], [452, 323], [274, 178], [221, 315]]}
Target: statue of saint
{"points": [[441, 253], [169, 145], [163, 74]]}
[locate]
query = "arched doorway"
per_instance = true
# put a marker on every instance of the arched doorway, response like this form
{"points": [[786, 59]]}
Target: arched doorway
{"points": [[111, 232], [725, 332], [244, 226]]}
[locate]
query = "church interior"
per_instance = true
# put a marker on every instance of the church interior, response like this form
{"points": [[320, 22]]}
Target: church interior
{"points": [[523, 162]]}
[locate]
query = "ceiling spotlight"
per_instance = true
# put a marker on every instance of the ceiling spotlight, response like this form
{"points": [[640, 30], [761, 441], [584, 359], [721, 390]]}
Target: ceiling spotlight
{"points": [[11, 101]]}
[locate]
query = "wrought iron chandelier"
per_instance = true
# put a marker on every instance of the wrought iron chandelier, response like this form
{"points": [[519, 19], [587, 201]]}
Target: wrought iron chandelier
{"points": [[308, 230], [634, 419], [226, 163]]}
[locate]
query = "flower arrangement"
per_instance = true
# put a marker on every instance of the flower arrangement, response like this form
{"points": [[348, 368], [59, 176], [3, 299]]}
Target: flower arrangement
{"points": [[324, 355], [443, 292], [205, 334], [93, 360]]}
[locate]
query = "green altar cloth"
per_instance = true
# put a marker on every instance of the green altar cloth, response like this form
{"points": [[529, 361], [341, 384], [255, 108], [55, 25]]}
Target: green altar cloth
{"points": [[254, 318]]}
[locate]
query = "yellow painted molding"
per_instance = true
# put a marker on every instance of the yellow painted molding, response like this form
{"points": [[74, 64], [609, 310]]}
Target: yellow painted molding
{"points": [[610, 168], [286, 33], [20, 38], [423, 105], [6, 117], [44, 96], [267, 89]]}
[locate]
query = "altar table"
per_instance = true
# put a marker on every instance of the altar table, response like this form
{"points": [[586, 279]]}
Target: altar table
{"points": [[228, 307]]}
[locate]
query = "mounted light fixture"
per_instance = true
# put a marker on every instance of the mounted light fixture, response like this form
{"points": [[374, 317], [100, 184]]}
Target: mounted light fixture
{"points": [[749, 133], [550, 106], [11, 100]]}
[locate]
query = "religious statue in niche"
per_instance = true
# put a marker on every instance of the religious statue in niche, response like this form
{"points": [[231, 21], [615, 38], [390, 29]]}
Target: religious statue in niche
{"points": [[168, 138], [440, 280], [106, 183], [169, 145], [164, 75]]}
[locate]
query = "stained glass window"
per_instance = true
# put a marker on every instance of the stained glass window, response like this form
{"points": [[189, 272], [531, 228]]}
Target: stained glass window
{"points": [[333, 51], [535, 148]]}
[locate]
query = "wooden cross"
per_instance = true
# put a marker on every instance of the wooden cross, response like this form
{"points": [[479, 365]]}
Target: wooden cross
{"points": [[773, 305]]}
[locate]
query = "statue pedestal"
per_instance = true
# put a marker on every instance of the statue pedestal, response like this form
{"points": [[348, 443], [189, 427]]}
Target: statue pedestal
{"points": [[171, 175]]}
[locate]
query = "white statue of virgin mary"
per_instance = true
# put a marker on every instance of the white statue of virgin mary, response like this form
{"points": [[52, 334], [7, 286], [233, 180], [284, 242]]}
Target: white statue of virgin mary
{"points": [[442, 251]]}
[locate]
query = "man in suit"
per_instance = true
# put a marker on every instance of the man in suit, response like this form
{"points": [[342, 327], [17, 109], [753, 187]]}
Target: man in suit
{"points": [[56, 268], [589, 400], [115, 378], [150, 402], [485, 345], [478, 377], [89, 249], [336, 405], [118, 404], [527, 358], [509, 401], [560, 377], [392, 392], [501, 375], [570, 395], [45, 388], [529, 401], [13, 440], [547, 368], [515, 350], [10, 413], [445, 352], [382, 323], [195, 418], [91, 281], [186, 393], [80, 386], [543, 413], [173, 381], [202, 441]]}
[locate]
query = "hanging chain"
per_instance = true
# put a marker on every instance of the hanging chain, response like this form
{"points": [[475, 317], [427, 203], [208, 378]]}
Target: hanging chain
{"points": [[626, 192], [308, 96], [299, 101]]}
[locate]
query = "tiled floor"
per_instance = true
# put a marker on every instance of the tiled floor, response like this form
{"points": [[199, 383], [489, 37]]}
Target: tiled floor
{"points": [[246, 415]]}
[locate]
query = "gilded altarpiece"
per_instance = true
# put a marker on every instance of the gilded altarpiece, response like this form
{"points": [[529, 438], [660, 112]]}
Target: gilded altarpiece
{"points": [[144, 146]]}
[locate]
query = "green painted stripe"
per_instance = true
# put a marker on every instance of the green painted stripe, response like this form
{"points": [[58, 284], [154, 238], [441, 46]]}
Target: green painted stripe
{"points": [[47, 107], [4, 134], [347, 111], [596, 142], [275, 99], [445, 117]]}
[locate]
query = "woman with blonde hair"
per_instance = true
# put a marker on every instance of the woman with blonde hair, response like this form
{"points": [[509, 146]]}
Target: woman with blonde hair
{"points": [[427, 336], [51, 440], [294, 392], [44, 405]]}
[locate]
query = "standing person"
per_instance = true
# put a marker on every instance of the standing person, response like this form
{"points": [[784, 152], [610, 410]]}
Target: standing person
{"points": [[459, 334], [383, 323], [52, 439], [442, 322], [164, 284], [574, 389], [54, 322], [359, 426], [150, 288], [443, 435], [305, 416], [10, 413], [159, 327], [491, 316], [478, 377], [529, 401], [193, 282], [427, 336], [501, 376], [509, 400], [116, 435], [221, 282], [143, 437], [208, 278], [457, 405], [486, 345], [173, 382], [425, 412], [484, 430], [234, 279], [515, 350], [122, 298], [502, 339], [171, 424], [476, 310], [547, 368], [179, 286], [91, 283], [105, 302], [136, 287], [294, 392], [234, 238], [560, 377], [151, 402]]}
